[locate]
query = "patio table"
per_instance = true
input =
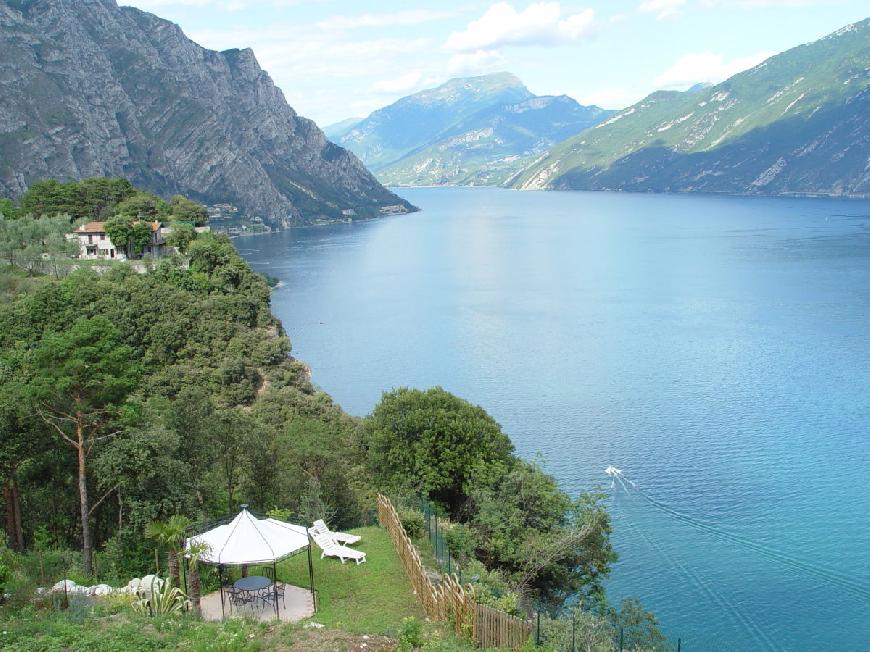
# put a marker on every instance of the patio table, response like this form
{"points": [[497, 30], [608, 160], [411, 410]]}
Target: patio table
{"points": [[253, 583]]}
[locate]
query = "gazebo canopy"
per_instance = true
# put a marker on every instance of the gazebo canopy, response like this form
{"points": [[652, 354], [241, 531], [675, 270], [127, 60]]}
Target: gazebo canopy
{"points": [[250, 540]]}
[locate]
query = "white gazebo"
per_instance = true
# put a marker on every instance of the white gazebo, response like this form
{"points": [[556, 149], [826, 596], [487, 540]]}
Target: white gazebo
{"points": [[248, 540]]}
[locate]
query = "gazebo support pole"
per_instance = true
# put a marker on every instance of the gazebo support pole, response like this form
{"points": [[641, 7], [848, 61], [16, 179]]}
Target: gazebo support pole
{"points": [[221, 582], [311, 576], [275, 587]]}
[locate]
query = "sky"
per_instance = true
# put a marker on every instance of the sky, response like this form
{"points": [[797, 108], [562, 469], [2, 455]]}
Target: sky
{"points": [[336, 59]]}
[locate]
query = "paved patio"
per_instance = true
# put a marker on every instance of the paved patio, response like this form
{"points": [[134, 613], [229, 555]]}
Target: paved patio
{"points": [[297, 605]]}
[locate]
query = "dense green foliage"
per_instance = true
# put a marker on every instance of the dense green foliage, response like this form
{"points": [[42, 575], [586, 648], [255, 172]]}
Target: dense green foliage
{"points": [[435, 444], [129, 234], [91, 199], [37, 245], [507, 513], [100, 199], [209, 395]]}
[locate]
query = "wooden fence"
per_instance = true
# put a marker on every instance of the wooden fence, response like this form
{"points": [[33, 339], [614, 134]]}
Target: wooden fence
{"points": [[446, 600]]}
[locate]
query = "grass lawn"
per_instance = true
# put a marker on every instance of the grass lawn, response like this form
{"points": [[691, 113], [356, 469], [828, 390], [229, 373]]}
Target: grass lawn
{"points": [[371, 598], [362, 608]]}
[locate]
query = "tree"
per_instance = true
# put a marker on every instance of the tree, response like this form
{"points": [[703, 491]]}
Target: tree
{"points": [[185, 210], [194, 581], [170, 535], [8, 209], [550, 547], [637, 628], [100, 195], [15, 442], [181, 236], [435, 443], [78, 381], [129, 234], [90, 199], [142, 206]]}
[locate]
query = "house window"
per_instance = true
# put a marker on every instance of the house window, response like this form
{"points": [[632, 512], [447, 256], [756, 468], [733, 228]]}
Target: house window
{"points": [[102, 236], [90, 239], [111, 253]]}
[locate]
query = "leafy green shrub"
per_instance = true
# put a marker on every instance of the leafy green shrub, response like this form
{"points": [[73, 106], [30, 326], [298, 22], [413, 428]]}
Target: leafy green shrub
{"points": [[491, 589], [4, 578], [411, 634], [412, 521], [461, 541]]}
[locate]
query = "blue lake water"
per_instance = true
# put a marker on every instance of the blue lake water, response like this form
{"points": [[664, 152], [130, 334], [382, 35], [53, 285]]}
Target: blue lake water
{"points": [[716, 349]]}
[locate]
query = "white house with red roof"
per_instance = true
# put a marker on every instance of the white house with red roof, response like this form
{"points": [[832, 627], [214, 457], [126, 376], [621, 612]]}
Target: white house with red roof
{"points": [[95, 244]]}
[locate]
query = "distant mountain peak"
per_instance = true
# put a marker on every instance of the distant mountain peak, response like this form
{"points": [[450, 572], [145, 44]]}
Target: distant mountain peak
{"points": [[394, 131]]}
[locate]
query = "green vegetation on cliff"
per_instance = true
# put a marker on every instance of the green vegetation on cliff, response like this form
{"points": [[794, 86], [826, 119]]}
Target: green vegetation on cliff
{"points": [[128, 399]]}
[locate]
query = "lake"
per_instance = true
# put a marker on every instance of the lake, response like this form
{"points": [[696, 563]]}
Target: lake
{"points": [[716, 349]]}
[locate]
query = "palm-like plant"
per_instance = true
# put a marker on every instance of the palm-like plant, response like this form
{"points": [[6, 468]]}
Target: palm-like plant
{"points": [[170, 535], [162, 600], [194, 552]]}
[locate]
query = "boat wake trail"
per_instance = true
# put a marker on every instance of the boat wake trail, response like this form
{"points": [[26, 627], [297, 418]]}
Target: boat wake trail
{"points": [[727, 606], [825, 574]]}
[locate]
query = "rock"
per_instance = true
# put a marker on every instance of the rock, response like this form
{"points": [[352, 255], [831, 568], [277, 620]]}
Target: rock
{"points": [[71, 587], [91, 89], [149, 583]]}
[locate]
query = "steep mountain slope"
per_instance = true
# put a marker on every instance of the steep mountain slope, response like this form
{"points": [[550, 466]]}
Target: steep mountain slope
{"points": [[89, 88], [797, 123], [339, 129], [483, 149], [390, 133]]}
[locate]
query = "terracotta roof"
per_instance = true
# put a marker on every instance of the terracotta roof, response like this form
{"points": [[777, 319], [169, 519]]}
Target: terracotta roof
{"points": [[92, 227], [99, 227]]}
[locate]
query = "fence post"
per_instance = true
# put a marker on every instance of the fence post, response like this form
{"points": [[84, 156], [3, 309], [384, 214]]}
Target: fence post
{"points": [[538, 631], [573, 632], [679, 644], [621, 633], [435, 516]]}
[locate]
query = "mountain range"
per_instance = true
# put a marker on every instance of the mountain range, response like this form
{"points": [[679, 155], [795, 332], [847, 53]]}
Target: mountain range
{"points": [[468, 131], [798, 123], [91, 89]]}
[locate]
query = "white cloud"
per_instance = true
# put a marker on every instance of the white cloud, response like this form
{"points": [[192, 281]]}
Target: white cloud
{"points": [[540, 23], [764, 3], [396, 18], [705, 67], [479, 61], [661, 8], [402, 84], [615, 97]]}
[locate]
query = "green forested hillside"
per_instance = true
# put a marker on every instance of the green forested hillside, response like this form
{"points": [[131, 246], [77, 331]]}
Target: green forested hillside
{"points": [[132, 402], [797, 123]]}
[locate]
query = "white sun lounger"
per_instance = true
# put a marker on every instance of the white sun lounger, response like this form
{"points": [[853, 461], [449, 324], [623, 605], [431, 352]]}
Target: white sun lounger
{"points": [[329, 548], [341, 538]]}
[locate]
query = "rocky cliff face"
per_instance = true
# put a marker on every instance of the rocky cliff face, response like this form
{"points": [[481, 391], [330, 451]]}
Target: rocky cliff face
{"points": [[88, 88]]}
